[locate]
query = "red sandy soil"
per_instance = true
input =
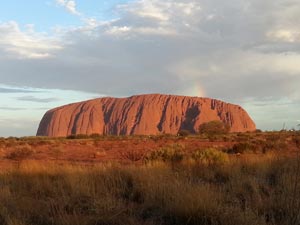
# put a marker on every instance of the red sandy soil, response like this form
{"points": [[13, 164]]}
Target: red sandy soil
{"points": [[118, 149], [96, 151]]}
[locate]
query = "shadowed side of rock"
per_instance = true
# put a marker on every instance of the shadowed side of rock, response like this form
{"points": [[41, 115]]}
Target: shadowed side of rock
{"points": [[142, 115]]}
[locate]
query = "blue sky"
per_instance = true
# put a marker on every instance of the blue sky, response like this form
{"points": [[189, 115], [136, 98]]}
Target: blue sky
{"points": [[21, 107], [55, 52], [47, 14]]}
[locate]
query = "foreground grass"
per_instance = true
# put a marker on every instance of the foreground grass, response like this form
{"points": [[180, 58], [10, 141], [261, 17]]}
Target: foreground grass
{"points": [[250, 190]]}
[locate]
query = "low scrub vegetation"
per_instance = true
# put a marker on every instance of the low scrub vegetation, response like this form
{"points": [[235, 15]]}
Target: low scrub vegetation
{"points": [[214, 128], [173, 153], [21, 153], [210, 156], [243, 178], [261, 191]]}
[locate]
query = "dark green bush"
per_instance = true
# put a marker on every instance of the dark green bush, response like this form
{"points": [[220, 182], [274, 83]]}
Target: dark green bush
{"points": [[242, 147], [78, 136], [183, 133], [296, 140], [95, 136], [214, 127]]}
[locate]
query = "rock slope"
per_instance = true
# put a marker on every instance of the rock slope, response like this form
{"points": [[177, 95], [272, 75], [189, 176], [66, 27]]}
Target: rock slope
{"points": [[142, 114]]}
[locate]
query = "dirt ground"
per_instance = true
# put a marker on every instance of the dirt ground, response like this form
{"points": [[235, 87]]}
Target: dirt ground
{"points": [[128, 149]]}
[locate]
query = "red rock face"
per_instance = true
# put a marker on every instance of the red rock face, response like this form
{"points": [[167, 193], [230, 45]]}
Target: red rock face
{"points": [[144, 114]]}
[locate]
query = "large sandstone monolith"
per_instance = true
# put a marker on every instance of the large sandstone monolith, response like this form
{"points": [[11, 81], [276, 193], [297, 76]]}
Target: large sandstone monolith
{"points": [[142, 114]]}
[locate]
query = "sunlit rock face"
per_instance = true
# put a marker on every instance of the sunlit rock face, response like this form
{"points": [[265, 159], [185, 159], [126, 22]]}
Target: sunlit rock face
{"points": [[142, 115]]}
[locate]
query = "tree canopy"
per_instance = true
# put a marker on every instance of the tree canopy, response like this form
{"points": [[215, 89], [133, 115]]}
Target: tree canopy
{"points": [[214, 127]]}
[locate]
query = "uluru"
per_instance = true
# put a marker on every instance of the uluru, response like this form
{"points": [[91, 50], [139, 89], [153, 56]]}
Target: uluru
{"points": [[149, 114]]}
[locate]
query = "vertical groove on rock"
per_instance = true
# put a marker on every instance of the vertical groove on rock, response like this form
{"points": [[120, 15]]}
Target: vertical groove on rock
{"points": [[74, 127], [163, 115], [138, 117]]}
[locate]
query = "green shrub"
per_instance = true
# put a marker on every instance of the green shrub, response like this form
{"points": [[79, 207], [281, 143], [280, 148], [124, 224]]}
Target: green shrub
{"points": [[95, 136], [133, 155], [72, 136], [183, 133], [210, 156], [296, 140], [242, 147], [214, 127], [78, 136], [172, 153]]}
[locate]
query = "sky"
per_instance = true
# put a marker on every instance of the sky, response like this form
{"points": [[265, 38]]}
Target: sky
{"points": [[55, 52]]}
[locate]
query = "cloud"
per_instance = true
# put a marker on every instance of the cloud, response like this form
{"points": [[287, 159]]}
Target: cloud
{"points": [[38, 100], [19, 44], [12, 108], [285, 35], [23, 108], [17, 127], [16, 90], [161, 11], [233, 50], [170, 47], [158, 17], [69, 5]]}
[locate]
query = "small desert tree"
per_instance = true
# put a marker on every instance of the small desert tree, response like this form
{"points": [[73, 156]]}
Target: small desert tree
{"points": [[214, 127]]}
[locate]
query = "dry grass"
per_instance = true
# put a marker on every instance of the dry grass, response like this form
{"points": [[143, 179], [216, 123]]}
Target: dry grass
{"points": [[237, 179], [263, 190]]}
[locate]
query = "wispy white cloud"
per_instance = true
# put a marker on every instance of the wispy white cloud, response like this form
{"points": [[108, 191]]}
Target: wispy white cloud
{"points": [[7, 89], [69, 5], [160, 17], [26, 44], [36, 99], [161, 10], [285, 35]]}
